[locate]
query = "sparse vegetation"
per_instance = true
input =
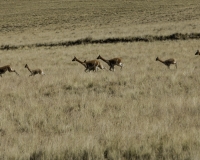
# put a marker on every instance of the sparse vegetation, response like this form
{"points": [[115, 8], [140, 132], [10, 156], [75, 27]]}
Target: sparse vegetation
{"points": [[144, 111]]}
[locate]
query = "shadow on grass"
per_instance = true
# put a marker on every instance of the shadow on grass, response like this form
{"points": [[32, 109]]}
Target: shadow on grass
{"points": [[157, 151], [89, 40]]}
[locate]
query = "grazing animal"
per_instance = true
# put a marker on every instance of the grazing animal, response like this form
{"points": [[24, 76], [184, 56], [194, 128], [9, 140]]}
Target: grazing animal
{"points": [[168, 62], [112, 62], [35, 71], [89, 65], [6, 68], [197, 53]]}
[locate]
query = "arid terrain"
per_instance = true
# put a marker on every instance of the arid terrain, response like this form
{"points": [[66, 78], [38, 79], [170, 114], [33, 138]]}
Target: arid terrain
{"points": [[144, 111]]}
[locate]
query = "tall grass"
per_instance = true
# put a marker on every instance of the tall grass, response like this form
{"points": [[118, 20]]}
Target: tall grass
{"points": [[145, 111]]}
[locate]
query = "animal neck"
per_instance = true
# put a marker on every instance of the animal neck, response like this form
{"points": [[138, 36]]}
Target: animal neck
{"points": [[28, 68], [160, 60], [81, 62]]}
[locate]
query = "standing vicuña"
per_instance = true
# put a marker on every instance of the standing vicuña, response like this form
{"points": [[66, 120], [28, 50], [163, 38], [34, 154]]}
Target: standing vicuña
{"points": [[6, 68], [197, 53], [112, 62], [168, 62], [35, 71], [89, 65]]}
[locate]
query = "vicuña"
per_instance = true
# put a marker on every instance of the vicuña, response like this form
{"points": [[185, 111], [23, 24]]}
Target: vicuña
{"points": [[168, 62], [35, 71], [112, 62], [89, 65], [6, 68]]}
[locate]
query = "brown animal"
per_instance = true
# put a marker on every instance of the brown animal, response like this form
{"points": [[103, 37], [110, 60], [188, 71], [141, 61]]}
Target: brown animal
{"points": [[35, 71], [112, 62], [99, 65], [89, 65], [168, 62], [6, 68]]}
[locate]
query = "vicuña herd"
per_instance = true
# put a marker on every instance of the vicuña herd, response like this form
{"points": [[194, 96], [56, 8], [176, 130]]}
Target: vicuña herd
{"points": [[9, 69], [95, 64], [92, 65]]}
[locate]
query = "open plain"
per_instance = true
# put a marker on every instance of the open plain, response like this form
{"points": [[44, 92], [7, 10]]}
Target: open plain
{"points": [[144, 111]]}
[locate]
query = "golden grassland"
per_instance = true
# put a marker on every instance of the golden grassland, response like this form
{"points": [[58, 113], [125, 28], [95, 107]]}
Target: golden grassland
{"points": [[144, 111], [29, 22]]}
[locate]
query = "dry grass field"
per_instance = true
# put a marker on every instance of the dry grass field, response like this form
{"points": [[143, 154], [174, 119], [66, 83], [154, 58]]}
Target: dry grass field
{"points": [[144, 111]]}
